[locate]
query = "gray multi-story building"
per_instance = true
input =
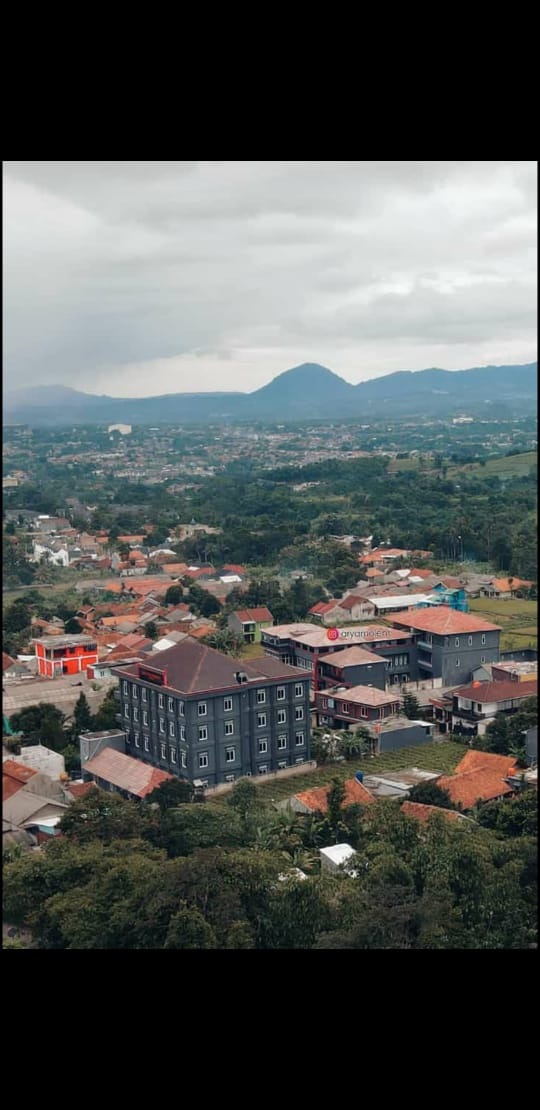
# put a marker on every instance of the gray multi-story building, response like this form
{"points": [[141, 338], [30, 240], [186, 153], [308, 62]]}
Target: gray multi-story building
{"points": [[205, 716], [310, 647], [449, 644]]}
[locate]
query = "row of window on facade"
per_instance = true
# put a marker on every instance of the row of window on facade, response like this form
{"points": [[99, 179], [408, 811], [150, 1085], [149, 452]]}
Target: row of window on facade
{"points": [[262, 770], [262, 721], [428, 639], [202, 705], [230, 753]]}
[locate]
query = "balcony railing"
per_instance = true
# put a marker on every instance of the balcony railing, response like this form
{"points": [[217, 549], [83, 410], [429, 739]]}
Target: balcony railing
{"points": [[425, 663], [423, 644]]}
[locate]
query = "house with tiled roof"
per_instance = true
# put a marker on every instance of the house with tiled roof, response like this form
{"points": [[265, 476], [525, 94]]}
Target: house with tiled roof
{"points": [[479, 777], [248, 623], [354, 666], [423, 813], [304, 644], [316, 800], [113, 770], [475, 705], [342, 707], [448, 644], [505, 587]]}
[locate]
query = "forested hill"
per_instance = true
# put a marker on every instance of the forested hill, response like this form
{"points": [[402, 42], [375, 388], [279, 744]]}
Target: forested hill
{"points": [[305, 392]]}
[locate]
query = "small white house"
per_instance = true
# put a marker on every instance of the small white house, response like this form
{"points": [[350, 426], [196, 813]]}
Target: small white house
{"points": [[335, 856]]}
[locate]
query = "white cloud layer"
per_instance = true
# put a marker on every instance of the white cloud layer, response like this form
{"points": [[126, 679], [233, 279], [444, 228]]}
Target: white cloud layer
{"points": [[138, 278]]}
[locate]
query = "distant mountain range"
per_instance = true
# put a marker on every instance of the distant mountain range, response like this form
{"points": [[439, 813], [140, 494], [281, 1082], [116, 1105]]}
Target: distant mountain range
{"points": [[307, 392]]}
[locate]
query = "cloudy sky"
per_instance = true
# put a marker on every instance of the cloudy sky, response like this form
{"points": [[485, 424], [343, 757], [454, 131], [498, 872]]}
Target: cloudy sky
{"points": [[138, 278]]}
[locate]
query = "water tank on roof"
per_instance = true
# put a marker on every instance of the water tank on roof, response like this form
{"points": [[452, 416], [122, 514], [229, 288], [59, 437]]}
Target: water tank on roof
{"points": [[359, 776]]}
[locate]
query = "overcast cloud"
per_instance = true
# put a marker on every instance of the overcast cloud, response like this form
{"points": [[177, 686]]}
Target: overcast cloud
{"points": [[138, 278]]}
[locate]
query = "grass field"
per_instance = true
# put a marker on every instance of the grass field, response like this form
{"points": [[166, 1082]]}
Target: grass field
{"points": [[441, 756], [509, 466], [518, 620], [403, 464]]}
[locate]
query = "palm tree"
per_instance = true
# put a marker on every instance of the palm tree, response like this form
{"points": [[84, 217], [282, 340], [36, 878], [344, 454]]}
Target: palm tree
{"points": [[357, 744]]}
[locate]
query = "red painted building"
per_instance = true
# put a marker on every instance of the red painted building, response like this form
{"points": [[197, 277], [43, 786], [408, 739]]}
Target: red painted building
{"points": [[65, 655]]}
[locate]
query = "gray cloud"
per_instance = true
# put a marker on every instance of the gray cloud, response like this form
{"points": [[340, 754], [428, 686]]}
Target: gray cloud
{"points": [[152, 277]]}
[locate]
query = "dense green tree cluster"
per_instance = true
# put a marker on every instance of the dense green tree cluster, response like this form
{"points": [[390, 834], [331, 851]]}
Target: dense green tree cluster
{"points": [[170, 873]]}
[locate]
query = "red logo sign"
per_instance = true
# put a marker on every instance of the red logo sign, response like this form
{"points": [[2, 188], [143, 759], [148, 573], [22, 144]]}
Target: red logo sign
{"points": [[333, 633]]}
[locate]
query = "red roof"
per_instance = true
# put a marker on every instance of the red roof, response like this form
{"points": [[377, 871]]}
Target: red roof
{"points": [[423, 813], [508, 585], [323, 607], [123, 771], [191, 667], [234, 568], [444, 621], [261, 613], [14, 777], [7, 661], [479, 777], [473, 761], [316, 800], [498, 691], [79, 789]]}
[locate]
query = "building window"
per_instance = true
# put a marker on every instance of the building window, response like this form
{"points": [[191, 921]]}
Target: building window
{"points": [[203, 732], [125, 688], [229, 728], [163, 751], [482, 658], [483, 637], [282, 764], [183, 758], [229, 778], [180, 709], [134, 689], [145, 717], [345, 707], [457, 641], [146, 744], [282, 742], [201, 709], [173, 755], [161, 701], [137, 739], [230, 755], [203, 759], [299, 739], [280, 693], [143, 693], [281, 716], [135, 713], [182, 732], [470, 641], [299, 713], [227, 705], [261, 720], [126, 711], [263, 770], [298, 690], [261, 697], [300, 759], [263, 747], [457, 663], [162, 724], [170, 704], [363, 711], [171, 728]]}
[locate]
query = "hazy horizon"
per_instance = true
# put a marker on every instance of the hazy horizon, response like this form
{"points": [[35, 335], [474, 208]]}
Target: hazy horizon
{"points": [[138, 279]]}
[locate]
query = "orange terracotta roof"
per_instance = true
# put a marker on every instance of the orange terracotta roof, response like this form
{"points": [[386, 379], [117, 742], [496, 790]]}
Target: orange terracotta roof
{"points": [[471, 787], [316, 800], [200, 633], [423, 813], [14, 777], [79, 789], [507, 585], [363, 695], [473, 761], [7, 661], [350, 657], [444, 621], [319, 608], [372, 572]]}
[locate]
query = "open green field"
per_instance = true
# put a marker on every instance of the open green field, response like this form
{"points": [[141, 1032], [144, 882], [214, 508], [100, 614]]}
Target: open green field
{"points": [[403, 464], [439, 756], [505, 466], [518, 620]]}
